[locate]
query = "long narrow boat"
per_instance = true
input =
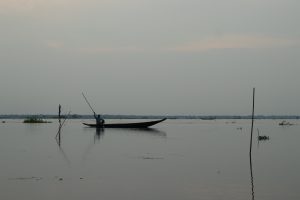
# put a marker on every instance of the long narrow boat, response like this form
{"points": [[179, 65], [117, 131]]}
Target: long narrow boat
{"points": [[127, 125]]}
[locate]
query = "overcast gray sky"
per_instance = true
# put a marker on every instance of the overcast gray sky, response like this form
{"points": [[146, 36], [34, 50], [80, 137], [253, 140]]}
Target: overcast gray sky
{"points": [[150, 56]]}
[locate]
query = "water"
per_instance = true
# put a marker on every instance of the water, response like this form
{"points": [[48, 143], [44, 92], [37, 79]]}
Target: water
{"points": [[178, 159]]}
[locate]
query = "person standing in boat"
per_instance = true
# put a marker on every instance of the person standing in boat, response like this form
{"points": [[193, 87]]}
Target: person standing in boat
{"points": [[99, 120]]}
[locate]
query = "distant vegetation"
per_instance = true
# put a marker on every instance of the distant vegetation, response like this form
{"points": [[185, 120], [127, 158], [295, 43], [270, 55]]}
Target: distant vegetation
{"points": [[35, 120], [106, 116]]}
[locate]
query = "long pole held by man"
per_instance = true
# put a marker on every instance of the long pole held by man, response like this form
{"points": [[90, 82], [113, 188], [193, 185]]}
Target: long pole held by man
{"points": [[99, 120]]}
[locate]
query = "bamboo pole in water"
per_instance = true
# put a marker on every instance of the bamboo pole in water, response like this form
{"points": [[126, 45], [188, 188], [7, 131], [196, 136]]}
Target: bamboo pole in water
{"points": [[250, 153], [59, 120], [252, 121]]}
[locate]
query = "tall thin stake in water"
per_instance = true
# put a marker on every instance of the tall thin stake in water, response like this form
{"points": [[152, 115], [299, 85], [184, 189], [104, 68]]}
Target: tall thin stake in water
{"points": [[59, 113], [252, 122], [59, 121], [250, 153]]}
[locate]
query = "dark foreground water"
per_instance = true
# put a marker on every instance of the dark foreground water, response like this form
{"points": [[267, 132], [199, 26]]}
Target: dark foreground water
{"points": [[178, 159]]}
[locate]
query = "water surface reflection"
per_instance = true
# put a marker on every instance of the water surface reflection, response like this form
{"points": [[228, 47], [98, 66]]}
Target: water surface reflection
{"points": [[175, 160], [251, 175], [100, 132]]}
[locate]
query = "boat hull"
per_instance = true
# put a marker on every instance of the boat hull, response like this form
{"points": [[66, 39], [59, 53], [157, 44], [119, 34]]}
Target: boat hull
{"points": [[127, 125]]}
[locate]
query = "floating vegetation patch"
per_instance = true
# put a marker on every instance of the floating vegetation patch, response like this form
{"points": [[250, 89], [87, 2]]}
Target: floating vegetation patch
{"points": [[151, 158], [263, 137], [285, 123], [27, 178], [35, 120]]}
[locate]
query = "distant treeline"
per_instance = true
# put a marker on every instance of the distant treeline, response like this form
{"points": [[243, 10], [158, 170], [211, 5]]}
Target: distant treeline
{"points": [[106, 116]]}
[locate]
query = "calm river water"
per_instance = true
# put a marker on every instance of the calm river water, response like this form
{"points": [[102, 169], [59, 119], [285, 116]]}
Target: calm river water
{"points": [[176, 160]]}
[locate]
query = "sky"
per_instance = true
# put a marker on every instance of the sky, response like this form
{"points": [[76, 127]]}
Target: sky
{"points": [[150, 57]]}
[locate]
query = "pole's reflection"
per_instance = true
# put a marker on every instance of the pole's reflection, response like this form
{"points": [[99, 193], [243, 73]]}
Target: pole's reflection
{"points": [[58, 135], [60, 125], [58, 141], [251, 174]]}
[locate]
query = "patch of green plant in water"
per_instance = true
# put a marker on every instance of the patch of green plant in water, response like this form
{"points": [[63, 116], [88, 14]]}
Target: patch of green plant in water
{"points": [[35, 120]]}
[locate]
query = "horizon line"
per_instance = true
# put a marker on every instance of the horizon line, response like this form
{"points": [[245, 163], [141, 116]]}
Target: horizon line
{"points": [[132, 116]]}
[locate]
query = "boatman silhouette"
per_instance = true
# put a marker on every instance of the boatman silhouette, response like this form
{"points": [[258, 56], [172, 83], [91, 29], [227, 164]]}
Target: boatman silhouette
{"points": [[99, 120]]}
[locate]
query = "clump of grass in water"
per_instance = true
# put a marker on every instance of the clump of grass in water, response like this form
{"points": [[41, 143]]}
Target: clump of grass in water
{"points": [[35, 120]]}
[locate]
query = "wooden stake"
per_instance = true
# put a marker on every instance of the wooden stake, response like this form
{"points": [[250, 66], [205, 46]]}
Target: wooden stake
{"points": [[252, 122], [59, 112], [59, 128], [250, 152]]}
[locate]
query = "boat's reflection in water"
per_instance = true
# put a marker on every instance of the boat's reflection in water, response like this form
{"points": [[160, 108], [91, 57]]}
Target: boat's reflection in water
{"points": [[148, 131], [99, 133]]}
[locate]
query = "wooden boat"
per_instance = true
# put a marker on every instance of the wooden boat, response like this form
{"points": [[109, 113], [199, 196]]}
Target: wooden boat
{"points": [[127, 125]]}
